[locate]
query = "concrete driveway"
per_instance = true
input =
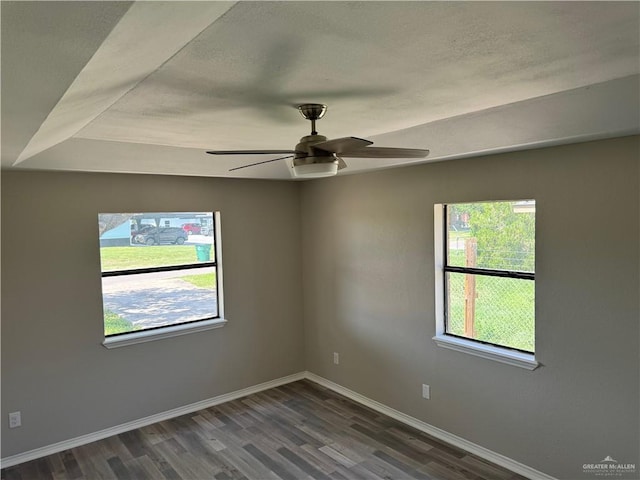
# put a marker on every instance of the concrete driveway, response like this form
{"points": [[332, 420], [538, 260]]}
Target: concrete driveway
{"points": [[158, 299]]}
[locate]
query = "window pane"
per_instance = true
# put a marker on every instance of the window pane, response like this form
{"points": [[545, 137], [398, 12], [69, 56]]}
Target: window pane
{"points": [[148, 300], [145, 240], [495, 310], [493, 235], [134, 246]]}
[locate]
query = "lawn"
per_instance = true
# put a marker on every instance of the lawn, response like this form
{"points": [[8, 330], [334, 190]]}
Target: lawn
{"points": [[203, 280], [121, 258], [455, 234], [114, 323]]}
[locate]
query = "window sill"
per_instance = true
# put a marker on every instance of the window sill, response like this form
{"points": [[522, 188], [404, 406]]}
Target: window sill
{"points": [[152, 335], [490, 352]]}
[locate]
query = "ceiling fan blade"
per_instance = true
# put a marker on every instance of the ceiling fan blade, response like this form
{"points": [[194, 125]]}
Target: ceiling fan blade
{"points": [[341, 145], [386, 152], [259, 163], [360, 92], [341, 163], [249, 152]]}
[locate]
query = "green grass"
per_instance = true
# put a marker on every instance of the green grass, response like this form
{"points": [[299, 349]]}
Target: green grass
{"points": [[114, 323], [455, 234], [203, 280], [121, 258]]}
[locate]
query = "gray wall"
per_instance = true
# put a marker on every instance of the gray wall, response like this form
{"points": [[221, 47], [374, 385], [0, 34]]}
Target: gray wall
{"points": [[369, 295], [54, 369], [359, 250]]}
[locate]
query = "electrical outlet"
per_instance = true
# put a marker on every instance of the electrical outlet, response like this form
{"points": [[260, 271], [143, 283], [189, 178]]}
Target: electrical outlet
{"points": [[336, 358], [426, 391], [15, 420]]}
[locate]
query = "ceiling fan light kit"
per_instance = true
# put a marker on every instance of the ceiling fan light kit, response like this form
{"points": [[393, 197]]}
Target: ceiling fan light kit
{"points": [[316, 157], [315, 170]]}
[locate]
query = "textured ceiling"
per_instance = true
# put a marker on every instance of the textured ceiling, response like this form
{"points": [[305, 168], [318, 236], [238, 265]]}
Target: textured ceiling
{"points": [[146, 87]]}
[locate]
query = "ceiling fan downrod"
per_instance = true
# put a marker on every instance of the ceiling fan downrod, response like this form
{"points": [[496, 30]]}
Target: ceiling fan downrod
{"points": [[312, 112]]}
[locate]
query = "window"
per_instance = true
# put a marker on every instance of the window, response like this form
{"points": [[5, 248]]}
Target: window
{"points": [[161, 274], [485, 279]]}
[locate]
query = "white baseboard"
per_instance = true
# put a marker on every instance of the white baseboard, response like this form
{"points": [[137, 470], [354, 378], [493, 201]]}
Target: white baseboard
{"points": [[143, 422], [194, 407], [436, 432]]}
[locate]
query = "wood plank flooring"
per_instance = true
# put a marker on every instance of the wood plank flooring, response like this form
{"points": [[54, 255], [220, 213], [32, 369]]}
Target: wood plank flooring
{"points": [[297, 431]]}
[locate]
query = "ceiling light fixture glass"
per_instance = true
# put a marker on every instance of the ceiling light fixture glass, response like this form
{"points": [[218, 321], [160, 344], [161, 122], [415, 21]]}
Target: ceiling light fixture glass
{"points": [[315, 170]]}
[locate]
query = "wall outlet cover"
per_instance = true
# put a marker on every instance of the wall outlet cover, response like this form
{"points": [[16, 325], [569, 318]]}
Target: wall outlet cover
{"points": [[15, 420], [426, 391]]}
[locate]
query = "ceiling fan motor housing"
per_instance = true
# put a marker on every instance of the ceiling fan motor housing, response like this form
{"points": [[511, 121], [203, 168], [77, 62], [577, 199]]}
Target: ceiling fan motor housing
{"points": [[306, 154]]}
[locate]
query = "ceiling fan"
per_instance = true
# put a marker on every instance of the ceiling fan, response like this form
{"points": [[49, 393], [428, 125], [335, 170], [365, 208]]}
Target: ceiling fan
{"points": [[316, 156]]}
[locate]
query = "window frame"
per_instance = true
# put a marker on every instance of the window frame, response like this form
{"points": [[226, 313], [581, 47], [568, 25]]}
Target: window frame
{"points": [[183, 328], [442, 338]]}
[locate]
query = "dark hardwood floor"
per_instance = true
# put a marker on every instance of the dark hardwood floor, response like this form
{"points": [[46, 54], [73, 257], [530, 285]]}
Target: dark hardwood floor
{"points": [[296, 431]]}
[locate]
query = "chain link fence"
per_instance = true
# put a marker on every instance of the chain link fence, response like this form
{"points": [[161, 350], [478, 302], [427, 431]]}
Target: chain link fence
{"points": [[492, 258], [501, 313]]}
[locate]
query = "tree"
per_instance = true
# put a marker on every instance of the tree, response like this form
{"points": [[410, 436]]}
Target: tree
{"points": [[107, 221], [506, 238]]}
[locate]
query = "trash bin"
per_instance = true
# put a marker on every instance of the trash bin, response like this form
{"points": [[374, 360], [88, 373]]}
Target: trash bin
{"points": [[203, 252]]}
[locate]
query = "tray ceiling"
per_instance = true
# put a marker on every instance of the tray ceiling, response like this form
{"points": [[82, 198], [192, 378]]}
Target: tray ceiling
{"points": [[146, 87]]}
